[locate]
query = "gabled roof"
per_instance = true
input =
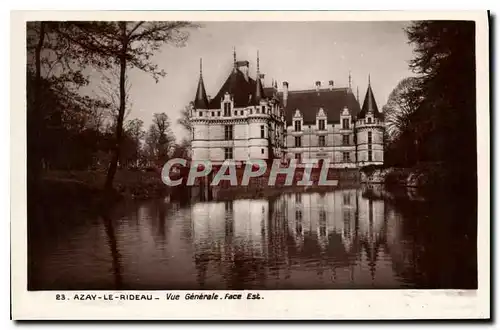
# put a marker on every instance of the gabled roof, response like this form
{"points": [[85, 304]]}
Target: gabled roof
{"points": [[310, 101], [238, 86], [369, 104]]}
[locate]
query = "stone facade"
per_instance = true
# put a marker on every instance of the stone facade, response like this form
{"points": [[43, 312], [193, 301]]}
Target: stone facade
{"points": [[244, 133], [322, 140], [246, 121]]}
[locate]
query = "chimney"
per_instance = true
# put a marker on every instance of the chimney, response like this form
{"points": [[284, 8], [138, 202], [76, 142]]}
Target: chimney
{"points": [[209, 98], [285, 92], [244, 67], [330, 84], [262, 76], [318, 85]]}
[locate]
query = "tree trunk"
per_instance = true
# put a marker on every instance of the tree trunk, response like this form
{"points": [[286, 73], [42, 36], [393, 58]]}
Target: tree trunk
{"points": [[121, 112], [34, 163]]}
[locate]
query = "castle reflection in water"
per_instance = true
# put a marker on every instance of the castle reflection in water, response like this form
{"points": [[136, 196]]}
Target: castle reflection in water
{"points": [[297, 240], [340, 239]]}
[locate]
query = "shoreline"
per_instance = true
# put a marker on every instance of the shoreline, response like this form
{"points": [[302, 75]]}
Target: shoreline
{"points": [[85, 188]]}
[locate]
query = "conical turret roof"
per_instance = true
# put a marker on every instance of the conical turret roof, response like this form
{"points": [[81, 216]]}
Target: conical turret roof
{"points": [[201, 100], [258, 94], [369, 104]]}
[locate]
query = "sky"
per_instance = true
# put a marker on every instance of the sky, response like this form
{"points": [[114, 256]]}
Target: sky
{"points": [[298, 52]]}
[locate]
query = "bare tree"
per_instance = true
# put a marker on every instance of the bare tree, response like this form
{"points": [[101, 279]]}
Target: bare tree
{"points": [[128, 45], [184, 120], [109, 87]]}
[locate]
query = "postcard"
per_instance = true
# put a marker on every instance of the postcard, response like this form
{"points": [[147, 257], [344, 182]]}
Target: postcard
{"points": [[250, 165]]}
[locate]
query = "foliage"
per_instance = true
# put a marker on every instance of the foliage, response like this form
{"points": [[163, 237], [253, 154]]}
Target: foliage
{"points": [[184, 120], [445, 96], [181, 150], [129, 45], [369, 169], [59, 53], [159, 139], [431, 118], [399, 109]]}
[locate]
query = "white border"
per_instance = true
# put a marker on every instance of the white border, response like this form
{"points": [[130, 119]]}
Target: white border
{"points": [[300, 304]]}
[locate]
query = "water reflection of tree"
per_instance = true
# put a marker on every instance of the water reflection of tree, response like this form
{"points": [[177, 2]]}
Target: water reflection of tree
{"points": [[160, 220], [113, 247], [438, 248]]}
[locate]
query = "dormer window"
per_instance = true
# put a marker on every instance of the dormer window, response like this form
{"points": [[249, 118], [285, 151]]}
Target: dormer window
{"points": [[369, 120], [263, 109], [345, 123], [321, 124], [298, 126], [227, 109], [200, 113]]}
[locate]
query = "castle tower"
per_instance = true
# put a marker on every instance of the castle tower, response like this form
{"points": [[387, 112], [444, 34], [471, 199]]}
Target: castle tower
{"points": [[199, 113], [259, 127], [258, 94], [240, 123], [370, 132], [201, 100]]}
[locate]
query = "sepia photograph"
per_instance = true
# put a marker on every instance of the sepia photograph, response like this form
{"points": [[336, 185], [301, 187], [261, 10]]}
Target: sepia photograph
{"points": [[252, 156]]}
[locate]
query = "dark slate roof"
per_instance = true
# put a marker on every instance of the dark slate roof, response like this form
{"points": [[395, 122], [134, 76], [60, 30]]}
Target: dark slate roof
{"points": [[270, 91], [201, 100], [236, 85], [369, 104], [258, 93], [310, 101]]}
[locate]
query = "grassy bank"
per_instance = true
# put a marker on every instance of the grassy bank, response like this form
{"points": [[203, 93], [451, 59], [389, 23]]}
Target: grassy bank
{"points": [[88, 185], [84, 187]]}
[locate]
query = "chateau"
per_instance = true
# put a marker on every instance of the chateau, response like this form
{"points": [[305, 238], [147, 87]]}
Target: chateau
{"points": [[247, 121]]}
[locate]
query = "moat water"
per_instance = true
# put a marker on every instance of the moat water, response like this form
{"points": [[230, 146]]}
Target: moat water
{"points": [[342, 239]]}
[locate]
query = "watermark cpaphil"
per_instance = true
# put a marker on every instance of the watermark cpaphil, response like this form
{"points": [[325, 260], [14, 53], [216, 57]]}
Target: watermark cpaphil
{"points": [[228, 171]]}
